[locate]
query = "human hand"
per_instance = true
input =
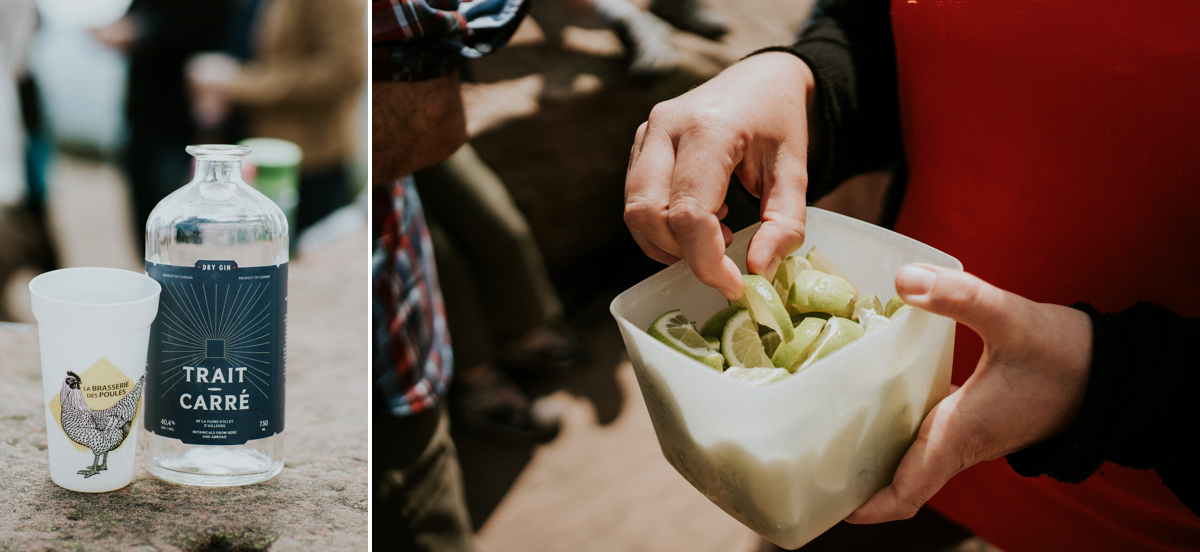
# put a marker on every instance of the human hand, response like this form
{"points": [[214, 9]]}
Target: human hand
{"points": [[120, 34], [750, 120], [1027, 386], [210, 78]]}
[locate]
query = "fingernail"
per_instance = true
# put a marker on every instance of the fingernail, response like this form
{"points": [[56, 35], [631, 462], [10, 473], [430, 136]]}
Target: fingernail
{"points": [[915, 280], [729, 294], [772, 267]]}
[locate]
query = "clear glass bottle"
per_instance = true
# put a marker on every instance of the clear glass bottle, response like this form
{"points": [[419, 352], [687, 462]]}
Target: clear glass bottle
{"points": [[215, 374]]}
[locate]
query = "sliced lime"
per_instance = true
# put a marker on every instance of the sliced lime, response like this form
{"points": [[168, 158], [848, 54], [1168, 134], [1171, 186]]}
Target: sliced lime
{"points": [[817, 291], [765, 305], [871, 321], [820, 261], [715, 324], [893, 305], [837, 333], [867, 304], [789, 269], [674, 329], [740, 342], [791, 354]]}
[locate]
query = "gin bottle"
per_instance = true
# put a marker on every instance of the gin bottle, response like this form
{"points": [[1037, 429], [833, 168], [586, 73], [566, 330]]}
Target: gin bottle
{"points": [[215, 368]]}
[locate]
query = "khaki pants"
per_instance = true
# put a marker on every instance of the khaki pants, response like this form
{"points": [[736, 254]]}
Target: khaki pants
{"points": [[492, 274], [419, 503]]}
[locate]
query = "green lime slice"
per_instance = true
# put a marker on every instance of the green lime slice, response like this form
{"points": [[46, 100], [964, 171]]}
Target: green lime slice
{"points": [[820, 292], [871, 321], [837, 333], [765, 305], [791, 354], [789, 269], [715, 324], [867, 305], [674, 329], [740, 343], [819, 261]]}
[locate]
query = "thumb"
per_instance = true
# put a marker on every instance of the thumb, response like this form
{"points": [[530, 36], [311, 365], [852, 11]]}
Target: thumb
{"points": [[984, 308], [927, 465]]}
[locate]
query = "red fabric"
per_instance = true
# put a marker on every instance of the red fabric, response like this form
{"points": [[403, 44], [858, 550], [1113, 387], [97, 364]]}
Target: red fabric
{"points": [[1054, 148]]}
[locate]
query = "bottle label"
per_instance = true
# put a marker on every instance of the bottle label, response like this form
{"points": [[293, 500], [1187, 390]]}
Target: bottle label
{"points": [[215, 368]]}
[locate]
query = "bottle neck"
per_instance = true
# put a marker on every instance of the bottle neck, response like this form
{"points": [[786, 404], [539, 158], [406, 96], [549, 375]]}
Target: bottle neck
{"points": [[226, 171]]}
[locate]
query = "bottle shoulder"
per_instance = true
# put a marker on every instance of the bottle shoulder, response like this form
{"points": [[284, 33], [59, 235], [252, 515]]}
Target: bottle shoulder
{"points": [[217, 203]]}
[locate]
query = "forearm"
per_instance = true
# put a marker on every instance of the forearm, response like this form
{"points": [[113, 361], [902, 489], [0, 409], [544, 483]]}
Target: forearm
{"points": [[414, 125]]}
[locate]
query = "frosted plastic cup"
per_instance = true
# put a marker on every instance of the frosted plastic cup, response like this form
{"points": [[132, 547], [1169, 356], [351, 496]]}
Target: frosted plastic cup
{"points": [[791, 459], [94, 332]]}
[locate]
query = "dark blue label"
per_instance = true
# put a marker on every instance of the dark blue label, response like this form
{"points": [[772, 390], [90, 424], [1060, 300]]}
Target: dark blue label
{"points": [[215, 373]]}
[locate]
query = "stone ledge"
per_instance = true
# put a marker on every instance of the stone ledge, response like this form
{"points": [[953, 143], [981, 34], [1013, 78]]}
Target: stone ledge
{"points": [[318, 502]]}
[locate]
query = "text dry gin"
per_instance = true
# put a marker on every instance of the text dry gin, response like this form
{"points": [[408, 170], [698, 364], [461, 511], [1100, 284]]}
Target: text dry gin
{"points": [[215, 368]]}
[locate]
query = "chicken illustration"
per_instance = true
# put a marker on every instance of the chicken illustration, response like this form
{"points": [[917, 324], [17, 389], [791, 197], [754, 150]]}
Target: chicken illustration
{"points": [[100, 430]]}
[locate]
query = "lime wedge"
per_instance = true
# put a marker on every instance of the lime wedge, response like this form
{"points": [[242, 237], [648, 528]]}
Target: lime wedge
{"points": [[765, 305], [819, 261], [674, 329], [715, 324], [893, 305], [837, 333], [866, 305], [817, 291], [757, 376], [740, 342], [871, 321], [789, 269], [791, 354]]}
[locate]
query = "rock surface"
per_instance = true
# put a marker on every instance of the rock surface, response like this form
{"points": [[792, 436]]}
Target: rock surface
{"points": [[318, 502]]}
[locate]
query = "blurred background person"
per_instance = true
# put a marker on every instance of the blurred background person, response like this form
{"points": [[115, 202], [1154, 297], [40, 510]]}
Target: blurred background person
{"points": [[24, 238], [110, 116], [292, 70], [158, 37], [418, 120], [501, 306], [646, 33]]}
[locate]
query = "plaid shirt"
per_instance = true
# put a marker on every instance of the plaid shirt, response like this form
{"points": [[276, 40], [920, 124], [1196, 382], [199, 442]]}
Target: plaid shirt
{"points": [[414, 40], [424, 39], [412, 358]]}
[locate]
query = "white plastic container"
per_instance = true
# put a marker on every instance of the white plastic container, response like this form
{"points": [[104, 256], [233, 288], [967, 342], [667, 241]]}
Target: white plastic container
{"points": [[791, 459]]}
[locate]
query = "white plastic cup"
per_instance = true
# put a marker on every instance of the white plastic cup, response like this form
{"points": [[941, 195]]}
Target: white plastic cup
{"points": [[94, 332]]}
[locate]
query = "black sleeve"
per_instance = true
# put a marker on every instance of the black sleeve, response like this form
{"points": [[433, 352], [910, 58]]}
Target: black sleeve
{"points": [[848, 45], [1141, 408]]}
